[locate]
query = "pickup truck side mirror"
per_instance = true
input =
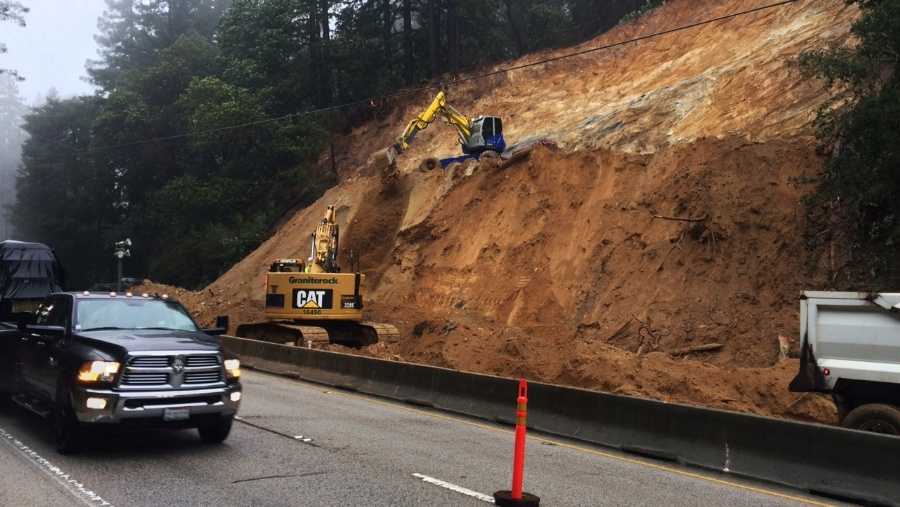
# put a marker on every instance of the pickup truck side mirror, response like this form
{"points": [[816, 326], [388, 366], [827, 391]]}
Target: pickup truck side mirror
{"points": [[55, 331], [221, 326], [222, 322]]}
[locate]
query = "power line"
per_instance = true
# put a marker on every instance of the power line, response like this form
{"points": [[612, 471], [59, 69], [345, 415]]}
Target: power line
{"points": [[408, 91], [629, 41]]}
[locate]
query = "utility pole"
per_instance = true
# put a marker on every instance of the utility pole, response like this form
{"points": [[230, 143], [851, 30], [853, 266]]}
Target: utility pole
{"points": [[123, 249]]}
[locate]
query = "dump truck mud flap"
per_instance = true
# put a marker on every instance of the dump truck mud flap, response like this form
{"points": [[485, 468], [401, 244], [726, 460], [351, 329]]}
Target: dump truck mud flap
{"points": [[810, 377]]}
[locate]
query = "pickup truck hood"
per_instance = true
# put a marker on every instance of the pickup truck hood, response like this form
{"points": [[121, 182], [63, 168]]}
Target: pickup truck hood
{"points": [[133, 341]]}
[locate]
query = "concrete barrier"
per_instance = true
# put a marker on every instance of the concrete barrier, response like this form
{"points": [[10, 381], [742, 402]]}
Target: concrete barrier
{"points": [[826, 460]]}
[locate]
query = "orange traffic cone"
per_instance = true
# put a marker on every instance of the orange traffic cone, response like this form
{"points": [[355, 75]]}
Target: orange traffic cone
{"points": [[516, 497]]}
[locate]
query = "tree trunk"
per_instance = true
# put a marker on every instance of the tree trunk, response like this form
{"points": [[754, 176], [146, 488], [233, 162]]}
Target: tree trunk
{"points": [[387, 25], [434, 34], [452, 37], [514, 27], [324, 19], [409, 68], [177, 14], [315, 53], [327, 68]]}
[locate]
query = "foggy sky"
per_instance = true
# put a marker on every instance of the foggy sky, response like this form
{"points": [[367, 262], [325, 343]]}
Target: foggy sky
{"points": [[52, 50]]}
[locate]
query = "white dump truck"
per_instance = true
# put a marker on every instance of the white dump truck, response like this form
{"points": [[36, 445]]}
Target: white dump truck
{"points": [[851, 349]]}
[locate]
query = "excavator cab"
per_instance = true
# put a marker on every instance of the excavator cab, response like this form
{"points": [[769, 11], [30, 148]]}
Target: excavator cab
{"points": [[287, 266], [487, 135]]}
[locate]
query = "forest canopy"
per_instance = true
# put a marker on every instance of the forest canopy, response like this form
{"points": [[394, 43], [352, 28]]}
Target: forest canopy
{"points": [[153, 155]]}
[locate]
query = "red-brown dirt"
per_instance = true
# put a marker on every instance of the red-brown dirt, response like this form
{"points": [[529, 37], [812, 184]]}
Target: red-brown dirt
{"points": [[668, 216]]}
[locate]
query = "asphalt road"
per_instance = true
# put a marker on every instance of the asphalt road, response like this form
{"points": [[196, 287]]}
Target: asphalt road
{"points": [[304, 444]]}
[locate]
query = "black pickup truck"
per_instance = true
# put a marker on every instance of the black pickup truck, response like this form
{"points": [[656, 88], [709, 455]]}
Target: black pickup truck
{"points": [[87, 360]]}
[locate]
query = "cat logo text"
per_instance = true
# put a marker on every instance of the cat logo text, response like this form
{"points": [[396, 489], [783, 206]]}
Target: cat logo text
{"points": [[312, 299]]}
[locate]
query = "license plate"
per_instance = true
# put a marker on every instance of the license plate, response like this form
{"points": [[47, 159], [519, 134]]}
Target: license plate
{"points": [[176, 414]]}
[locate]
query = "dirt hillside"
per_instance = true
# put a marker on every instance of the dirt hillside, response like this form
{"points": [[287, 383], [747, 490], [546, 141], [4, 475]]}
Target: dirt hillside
{"points": [[665, 213]]}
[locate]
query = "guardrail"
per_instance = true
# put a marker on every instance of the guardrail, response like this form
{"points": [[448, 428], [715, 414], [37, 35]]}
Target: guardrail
{"points": [[824, 460]]}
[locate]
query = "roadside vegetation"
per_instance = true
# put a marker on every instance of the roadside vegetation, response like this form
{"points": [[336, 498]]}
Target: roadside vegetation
{"points": [[859, 196], [645, 8], [195, 144]]}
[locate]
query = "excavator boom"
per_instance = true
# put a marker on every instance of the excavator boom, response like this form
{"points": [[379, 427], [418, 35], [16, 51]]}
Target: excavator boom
{"points": [[324, 248], [438, 107]]}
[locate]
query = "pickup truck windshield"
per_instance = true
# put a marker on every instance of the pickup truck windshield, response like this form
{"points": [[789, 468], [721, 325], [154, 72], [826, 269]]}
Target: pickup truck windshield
{"points": [[96, 314]]}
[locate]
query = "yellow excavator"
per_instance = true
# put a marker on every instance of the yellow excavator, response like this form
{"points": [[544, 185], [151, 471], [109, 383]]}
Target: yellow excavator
{"points": [[312, 302], [476, 135]]}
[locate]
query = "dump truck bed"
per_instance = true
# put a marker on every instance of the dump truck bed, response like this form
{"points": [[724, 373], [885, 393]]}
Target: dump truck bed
{"points": [[853, 335]]}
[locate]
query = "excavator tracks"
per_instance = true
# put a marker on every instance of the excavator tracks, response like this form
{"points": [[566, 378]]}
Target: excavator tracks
{"points": [[309, 336], [284, 333], [351, 334], [383, 332]]}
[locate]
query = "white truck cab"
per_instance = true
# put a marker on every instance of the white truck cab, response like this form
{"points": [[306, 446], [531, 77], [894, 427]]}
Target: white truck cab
{"points": [[851, 349]]}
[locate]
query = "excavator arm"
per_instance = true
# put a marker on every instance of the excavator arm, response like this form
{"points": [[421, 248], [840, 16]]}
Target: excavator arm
{"points": [[476, 136], [323, 252], [438, 107]]}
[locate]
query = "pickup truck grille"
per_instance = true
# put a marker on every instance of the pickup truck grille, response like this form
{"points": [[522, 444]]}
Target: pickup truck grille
{"points": [[201, 361], [151, 362], [173, 370], [202, 377], [144, 378]]}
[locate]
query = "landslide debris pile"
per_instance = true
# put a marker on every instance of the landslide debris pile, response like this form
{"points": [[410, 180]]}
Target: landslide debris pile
{"points": [[664, 217]]}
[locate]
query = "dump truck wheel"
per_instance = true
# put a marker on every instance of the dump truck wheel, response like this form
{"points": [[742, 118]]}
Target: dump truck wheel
{"points": [[874, 417]]}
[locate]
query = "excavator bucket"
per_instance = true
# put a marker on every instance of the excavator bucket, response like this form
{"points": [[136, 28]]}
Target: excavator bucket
{"points": [[384, 160]]}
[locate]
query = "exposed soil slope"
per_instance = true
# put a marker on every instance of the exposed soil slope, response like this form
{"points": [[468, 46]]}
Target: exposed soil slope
{"points": [[669, 216], [732, 78]]}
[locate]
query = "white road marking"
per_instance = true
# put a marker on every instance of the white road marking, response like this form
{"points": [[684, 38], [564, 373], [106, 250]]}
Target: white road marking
{"points": [[455, 488], [302, 438], [87, 496]]}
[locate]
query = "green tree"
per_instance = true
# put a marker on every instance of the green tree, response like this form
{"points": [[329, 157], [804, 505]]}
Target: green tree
{"points": [[862, 128], [235, 182], [185, 197], [12, 113], [133, 32], [65, 197], [11, 11]]}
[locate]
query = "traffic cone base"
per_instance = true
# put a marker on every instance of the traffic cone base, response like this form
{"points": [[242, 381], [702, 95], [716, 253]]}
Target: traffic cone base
{"points": [[505, 499]]}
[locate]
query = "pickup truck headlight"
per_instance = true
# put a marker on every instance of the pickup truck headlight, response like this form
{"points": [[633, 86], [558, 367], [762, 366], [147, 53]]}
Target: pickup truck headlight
{"points": [[233, 368], [98, 371]]}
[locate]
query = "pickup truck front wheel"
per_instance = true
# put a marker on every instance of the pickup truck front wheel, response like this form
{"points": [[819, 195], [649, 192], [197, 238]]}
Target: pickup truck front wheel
{"points": [[874, 417], [68, 431], [215, 433]]}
